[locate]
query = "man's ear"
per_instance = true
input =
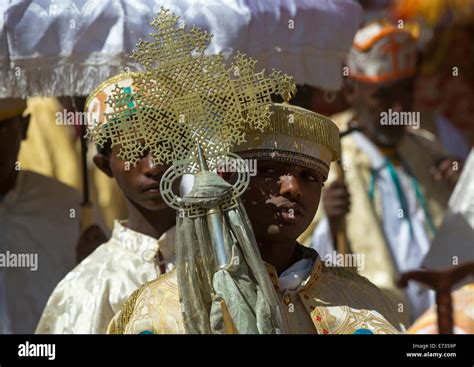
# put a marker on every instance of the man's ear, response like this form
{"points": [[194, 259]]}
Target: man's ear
{"points": [[102, 162]]}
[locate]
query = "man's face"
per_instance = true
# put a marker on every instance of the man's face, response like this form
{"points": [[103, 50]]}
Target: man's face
{"points": [[12, 132], [282, 200], [139, 183], [371, 100]]}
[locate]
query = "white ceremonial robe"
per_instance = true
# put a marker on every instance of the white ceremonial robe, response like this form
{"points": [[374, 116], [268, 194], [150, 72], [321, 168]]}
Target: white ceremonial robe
{"points": [[39, 231], [407, 249], [85, 301]]}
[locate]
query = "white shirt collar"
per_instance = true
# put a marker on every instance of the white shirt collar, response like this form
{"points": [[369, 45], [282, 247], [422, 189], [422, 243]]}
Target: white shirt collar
{"points": [[293, 277]]}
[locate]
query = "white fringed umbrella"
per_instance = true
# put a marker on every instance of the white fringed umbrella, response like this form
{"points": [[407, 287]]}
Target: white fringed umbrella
{"points": [[67, 47]]}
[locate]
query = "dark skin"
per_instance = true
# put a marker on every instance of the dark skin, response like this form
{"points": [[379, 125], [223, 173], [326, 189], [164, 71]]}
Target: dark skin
{"points": [[12, 132], [281, 201], [369, 100], [147, 212]]}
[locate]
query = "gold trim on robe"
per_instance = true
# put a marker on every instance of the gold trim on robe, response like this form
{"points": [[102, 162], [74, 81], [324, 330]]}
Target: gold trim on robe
{"points": [[337, 301]]}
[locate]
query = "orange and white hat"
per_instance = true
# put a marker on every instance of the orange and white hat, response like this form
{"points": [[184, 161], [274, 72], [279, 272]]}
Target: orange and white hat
{"points": [[382, 52]]}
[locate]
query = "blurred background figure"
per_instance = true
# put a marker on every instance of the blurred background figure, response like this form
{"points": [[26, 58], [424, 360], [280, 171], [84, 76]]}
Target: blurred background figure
{"points": [[444, 88], [392, 201], [453, 246], [53, 149], [39, 219]]}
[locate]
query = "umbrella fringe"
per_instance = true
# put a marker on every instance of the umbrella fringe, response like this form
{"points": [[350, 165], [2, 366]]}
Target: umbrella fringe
{"points": [[54, 78]]}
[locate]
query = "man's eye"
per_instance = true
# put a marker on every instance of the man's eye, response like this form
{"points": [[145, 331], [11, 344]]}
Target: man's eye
{"points": [[310, 177]]}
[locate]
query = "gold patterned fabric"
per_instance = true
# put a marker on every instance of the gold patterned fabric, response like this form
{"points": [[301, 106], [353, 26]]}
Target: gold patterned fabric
{"points": [[154, 307], [330, 301]]}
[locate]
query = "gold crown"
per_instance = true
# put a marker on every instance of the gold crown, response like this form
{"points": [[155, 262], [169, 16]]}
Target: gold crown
{"points": [[294, 135]]}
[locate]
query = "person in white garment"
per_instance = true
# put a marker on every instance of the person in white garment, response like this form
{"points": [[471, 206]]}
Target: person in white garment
{"points": [[453, 246], [140, 248], [392, 201], [39, 228]]}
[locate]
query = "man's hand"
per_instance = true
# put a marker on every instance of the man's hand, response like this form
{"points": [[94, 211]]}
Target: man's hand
{"points": [[448, 169], [337, 203]]}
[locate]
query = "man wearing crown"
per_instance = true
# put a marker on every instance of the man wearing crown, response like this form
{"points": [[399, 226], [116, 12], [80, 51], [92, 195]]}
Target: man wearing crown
{"points": [[239, 267], [292, 163]]}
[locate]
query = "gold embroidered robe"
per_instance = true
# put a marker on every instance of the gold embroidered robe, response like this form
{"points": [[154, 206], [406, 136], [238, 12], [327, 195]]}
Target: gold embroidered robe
{"points": [[330, 301]]}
